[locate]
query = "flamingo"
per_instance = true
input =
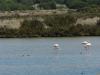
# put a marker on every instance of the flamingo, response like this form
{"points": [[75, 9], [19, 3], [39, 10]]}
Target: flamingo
{"points": [[84, 42], [56, 46], [86, 45]]}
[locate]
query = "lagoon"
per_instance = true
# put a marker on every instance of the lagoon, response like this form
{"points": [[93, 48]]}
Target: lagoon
{"points": [[36, 56]]}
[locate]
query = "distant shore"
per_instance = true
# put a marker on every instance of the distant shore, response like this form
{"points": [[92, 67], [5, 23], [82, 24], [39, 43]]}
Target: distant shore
{"points": [[49, 23]]}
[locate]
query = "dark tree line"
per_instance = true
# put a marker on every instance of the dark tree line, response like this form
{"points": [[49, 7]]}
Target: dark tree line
{"points": [[46, 4]]}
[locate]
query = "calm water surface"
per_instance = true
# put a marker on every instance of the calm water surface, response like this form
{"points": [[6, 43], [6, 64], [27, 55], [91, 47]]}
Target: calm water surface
{"points": [[37, 56]]}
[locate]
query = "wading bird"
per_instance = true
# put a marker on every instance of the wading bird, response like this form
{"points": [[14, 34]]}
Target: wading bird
{"points": [[56, 46], [86, 45]]}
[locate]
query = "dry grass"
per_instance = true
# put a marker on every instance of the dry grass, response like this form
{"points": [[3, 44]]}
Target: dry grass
{"points": [[88, 21]]}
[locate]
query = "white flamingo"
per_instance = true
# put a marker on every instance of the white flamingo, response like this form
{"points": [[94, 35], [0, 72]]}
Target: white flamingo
{"points": [[56, 46], [84, 42], [86, 45]]}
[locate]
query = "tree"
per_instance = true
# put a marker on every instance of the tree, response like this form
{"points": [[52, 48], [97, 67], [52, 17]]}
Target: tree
{"points": [[45, 4]]}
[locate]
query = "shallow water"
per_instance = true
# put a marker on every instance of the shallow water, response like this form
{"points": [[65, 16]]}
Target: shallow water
{"points": [[37, 56]]}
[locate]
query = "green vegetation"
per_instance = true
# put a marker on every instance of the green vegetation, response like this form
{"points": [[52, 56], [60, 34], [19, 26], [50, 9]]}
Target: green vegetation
{"points": [[52, 26], [47, 4], [59, 25]]}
